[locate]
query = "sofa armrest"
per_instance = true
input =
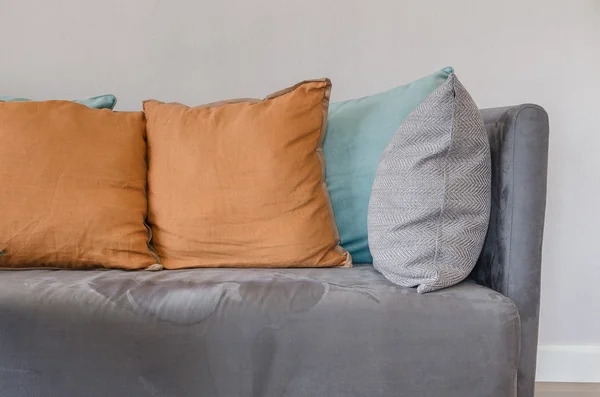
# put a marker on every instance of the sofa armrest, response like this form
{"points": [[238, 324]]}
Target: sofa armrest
{"points": [[510, 262]]}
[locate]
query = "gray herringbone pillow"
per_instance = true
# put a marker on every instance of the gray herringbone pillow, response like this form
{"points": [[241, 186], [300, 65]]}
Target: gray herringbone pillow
{"points": [[430, 203]]}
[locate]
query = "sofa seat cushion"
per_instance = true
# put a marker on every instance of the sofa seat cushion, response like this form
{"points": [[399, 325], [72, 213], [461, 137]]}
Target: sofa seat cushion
{"points": [[251, 332]]}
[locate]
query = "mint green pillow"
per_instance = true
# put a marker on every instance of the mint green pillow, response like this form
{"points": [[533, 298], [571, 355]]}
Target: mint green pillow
{"points": [[358, 131], [97, 102]]}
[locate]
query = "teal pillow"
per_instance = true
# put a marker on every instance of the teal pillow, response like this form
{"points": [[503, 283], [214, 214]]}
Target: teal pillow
{"points": [[358, 130], [97, 102]]}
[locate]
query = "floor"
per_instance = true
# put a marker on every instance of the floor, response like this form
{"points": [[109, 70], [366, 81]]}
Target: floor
{"points": [[567, 390]]}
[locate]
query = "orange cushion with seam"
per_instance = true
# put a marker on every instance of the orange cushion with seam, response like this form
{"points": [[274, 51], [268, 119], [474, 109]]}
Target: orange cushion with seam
{"points": [[241, 183], [72, 187]]}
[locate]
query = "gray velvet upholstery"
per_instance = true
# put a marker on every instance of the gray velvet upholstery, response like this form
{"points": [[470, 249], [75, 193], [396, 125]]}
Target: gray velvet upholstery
{"points": [[511, 259], [239, 332], [297, 332]]}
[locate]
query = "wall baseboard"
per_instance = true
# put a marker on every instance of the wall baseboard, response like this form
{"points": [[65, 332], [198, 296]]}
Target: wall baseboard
{"points": [[568, 363]]}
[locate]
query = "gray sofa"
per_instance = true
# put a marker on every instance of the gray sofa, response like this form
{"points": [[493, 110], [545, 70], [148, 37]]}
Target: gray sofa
{"points": [[301, 332]]}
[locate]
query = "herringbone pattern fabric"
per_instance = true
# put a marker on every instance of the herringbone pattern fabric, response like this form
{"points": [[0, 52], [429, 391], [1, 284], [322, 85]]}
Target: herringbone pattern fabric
{"points": [[430, 202]]}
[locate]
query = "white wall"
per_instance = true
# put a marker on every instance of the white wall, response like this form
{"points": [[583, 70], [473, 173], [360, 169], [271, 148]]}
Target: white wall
{"points": [[505, 52]]}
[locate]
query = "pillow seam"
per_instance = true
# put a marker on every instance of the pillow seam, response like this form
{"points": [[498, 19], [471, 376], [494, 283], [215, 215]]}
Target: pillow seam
{"points": [[440, 231]]}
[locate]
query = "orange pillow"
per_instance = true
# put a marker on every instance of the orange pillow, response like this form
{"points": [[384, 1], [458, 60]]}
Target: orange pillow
{"points": [[241, 183], [72, 187]]}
